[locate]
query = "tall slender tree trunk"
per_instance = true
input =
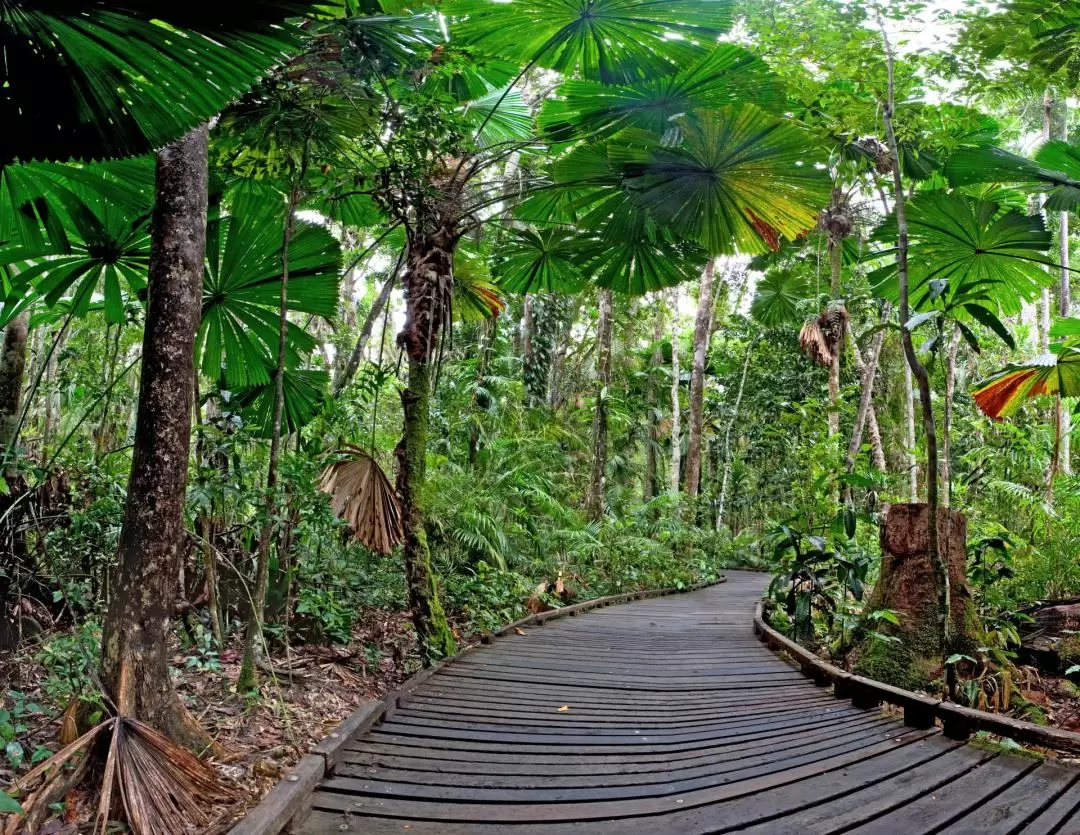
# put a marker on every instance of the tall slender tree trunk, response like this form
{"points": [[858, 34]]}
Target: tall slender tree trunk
{"points": [[652, 404], [946, 422], [153, 540], [676, 405], [248, 679], [866, 414], [697, 380], [348, 371], [912, 465], [917, 368], [595, 501], [428, 282], [1064, 302], [836, 253], [1044, 298], [725, 478]]}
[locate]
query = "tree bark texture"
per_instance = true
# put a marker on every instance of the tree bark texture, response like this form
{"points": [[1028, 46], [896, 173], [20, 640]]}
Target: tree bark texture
{"points": [[946, 421], [836, 254], [595, 501], [697, 380], [908, 585], [428, 284], [153, 539], [12, 377], [726, 477], [866, 414], [1064, 416]]}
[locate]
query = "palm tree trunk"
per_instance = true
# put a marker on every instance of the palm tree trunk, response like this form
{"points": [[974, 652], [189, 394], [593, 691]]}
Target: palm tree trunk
{"points": [[248, 680], [676, 406], [595, 499], [917, 369], [153, 540], [428, 283], [946, 422], [1044, 298], [697, 381], [652, 404], [344, 377]]}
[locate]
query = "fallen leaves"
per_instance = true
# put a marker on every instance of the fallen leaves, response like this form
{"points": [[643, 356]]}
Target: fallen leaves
{"points": [[564, 709]]}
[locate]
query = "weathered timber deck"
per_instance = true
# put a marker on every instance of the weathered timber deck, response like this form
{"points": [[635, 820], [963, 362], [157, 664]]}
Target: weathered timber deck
{"points": [[666, 716]]}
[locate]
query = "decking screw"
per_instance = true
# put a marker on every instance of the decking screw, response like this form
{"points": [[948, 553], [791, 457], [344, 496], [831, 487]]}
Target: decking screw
{"points": [[292, 778], [334, 735]]}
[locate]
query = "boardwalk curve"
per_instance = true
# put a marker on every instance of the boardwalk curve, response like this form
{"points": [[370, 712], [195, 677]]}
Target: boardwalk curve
{"points": [[666, 716]]}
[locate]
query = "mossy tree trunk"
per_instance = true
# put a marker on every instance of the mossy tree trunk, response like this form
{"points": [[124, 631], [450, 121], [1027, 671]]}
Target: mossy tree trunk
{"points": [[652, 403], [702, 333], [428, 284], [153, 538]]}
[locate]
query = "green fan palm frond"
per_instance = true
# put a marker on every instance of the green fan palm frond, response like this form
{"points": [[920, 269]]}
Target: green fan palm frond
{"points": [[778, 298], [727, 75], [501, 116], [476, 295], [1055, 171], [304, 392], [242, 288], [739, 180], [114, 79], [535, 260], [613, 41], [968, 253]]}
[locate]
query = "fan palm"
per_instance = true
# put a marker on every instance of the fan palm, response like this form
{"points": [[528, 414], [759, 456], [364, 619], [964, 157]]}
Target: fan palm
{"points": [[114, 79], [967, 260]]}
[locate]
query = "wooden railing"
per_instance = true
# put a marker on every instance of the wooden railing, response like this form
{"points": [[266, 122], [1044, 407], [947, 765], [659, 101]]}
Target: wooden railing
{"points": [[957, 722]]}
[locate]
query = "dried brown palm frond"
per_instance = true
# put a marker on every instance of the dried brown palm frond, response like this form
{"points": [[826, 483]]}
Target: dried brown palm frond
{"points": [[822, 336], [164, 789], [361, 494]]}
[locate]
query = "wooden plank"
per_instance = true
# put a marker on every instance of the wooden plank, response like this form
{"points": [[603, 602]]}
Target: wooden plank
{"points": [[287, 799], [1021, 802], [592, 811], [952, 801], [1062, 817]]}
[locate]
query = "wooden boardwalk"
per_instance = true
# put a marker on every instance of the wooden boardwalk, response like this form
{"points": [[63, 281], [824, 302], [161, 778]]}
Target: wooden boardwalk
{"points": [[662, 717]]}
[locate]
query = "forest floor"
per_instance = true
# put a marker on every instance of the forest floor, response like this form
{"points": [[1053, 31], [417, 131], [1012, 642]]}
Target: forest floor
{"points": [[263, 737]]}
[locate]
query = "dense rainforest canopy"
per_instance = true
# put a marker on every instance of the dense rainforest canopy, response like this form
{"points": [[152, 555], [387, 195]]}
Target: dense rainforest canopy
{"points": [[339, 333]]}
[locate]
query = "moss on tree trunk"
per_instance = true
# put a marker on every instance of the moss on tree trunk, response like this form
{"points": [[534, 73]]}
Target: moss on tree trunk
{"points": [[153, 538], [428, 283]]}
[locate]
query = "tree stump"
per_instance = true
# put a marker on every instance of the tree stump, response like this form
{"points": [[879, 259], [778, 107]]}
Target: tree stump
{"points": [[908, 585]]}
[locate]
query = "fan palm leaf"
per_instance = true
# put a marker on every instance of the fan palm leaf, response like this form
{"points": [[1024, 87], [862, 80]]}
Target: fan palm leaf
{"points": [[1056, 373], [113, 79], [738, 180], [613, 41], [967, 253], [242, 289], [778, 297], [545, 259], [304, 391], [727, 75]]}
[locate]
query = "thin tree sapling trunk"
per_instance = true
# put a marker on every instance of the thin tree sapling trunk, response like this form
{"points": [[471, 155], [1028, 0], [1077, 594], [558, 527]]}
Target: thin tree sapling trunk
{"points": [[248, 678], [946, 422], [917, 368], [676, 406], [153, 540], [595, 499], [912, 465], [726, 477], [1064, 303], [697, 381], [866, 413], [652, 404], [344, 377], [12, 376]]}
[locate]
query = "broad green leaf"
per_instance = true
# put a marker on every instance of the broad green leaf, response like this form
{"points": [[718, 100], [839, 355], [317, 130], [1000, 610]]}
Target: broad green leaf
{"points": [[534, 260], [614, 41], [123, 79], [778, 297]]}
